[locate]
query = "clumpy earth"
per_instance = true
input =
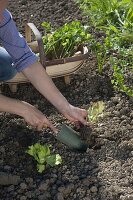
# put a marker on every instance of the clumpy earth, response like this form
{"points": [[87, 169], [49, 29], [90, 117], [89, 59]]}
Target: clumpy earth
{"points": [[105, 171]]}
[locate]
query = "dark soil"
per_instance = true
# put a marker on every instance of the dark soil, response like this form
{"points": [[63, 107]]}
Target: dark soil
{"points": [[104, 172]]}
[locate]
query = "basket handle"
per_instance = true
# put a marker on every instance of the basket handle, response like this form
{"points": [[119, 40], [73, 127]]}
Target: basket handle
{"points": [[31, 27]]}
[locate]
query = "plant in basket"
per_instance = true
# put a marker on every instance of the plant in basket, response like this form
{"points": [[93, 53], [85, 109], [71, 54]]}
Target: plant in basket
{"points": [[65, 41]]}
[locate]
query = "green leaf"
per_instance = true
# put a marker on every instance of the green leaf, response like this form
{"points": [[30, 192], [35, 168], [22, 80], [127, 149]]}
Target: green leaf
{"points": [[95, 111], [47, 26], [40, 168], [54, 160], [39, 152], [64, 41], [58, 159], [113, 28], [30, 151]]}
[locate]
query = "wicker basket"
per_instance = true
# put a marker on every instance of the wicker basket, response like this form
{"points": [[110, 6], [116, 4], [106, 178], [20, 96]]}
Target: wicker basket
{"points": [[56, 68]]}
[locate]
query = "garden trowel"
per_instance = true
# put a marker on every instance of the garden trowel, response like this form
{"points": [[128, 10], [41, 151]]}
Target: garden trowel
{"points": [[70, 138]]}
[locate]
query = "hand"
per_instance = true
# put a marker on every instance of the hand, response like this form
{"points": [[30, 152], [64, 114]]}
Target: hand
{"points": [[75, 114], [36, 118], [43, 83]]}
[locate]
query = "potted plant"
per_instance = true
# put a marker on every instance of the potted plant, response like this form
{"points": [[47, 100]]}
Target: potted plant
{"points": [[65, 48]]}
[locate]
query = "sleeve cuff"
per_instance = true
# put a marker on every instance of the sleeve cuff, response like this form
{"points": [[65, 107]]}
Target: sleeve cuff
{"points": [[26, 61]]}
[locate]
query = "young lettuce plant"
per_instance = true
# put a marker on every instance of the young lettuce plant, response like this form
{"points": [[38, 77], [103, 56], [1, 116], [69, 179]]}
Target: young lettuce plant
{"points": [[42, 155], [95, 111]]}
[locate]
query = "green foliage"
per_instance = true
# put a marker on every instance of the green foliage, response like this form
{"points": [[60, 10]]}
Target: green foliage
{"points": [[95, 111], [99, 49], [42, 155], [119, 69], [47, 27], [114, 19], [64, 41], [121, 62], [118, 13]]}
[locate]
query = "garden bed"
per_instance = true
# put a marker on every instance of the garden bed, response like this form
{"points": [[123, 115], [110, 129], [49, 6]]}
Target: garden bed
{"points": [[104, 172]]}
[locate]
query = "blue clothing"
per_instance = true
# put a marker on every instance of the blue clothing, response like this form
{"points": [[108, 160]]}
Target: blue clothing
{"points": [[21, 55], [7, 72]]}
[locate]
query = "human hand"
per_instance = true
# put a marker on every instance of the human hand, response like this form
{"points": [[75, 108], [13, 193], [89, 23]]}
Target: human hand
{"points": [[75, 114], [36, 118]]}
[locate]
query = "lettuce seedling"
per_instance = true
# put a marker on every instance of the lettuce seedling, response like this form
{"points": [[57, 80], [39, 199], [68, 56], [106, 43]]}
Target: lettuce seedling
{"points": [[95, 111], [42, 155]]}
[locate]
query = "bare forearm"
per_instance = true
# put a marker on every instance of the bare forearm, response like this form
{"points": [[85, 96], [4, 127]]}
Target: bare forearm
{"points": [[11, 105], [43, 83]]}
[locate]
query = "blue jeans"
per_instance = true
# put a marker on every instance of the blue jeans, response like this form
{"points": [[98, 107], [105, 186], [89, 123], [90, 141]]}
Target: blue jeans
{"points": [[7, 71]]}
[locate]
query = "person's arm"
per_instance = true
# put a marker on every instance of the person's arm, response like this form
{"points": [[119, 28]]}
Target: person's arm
{"points": [[43, 83], [31, 114], [3, 5], [11, 105], [26, 61]]}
